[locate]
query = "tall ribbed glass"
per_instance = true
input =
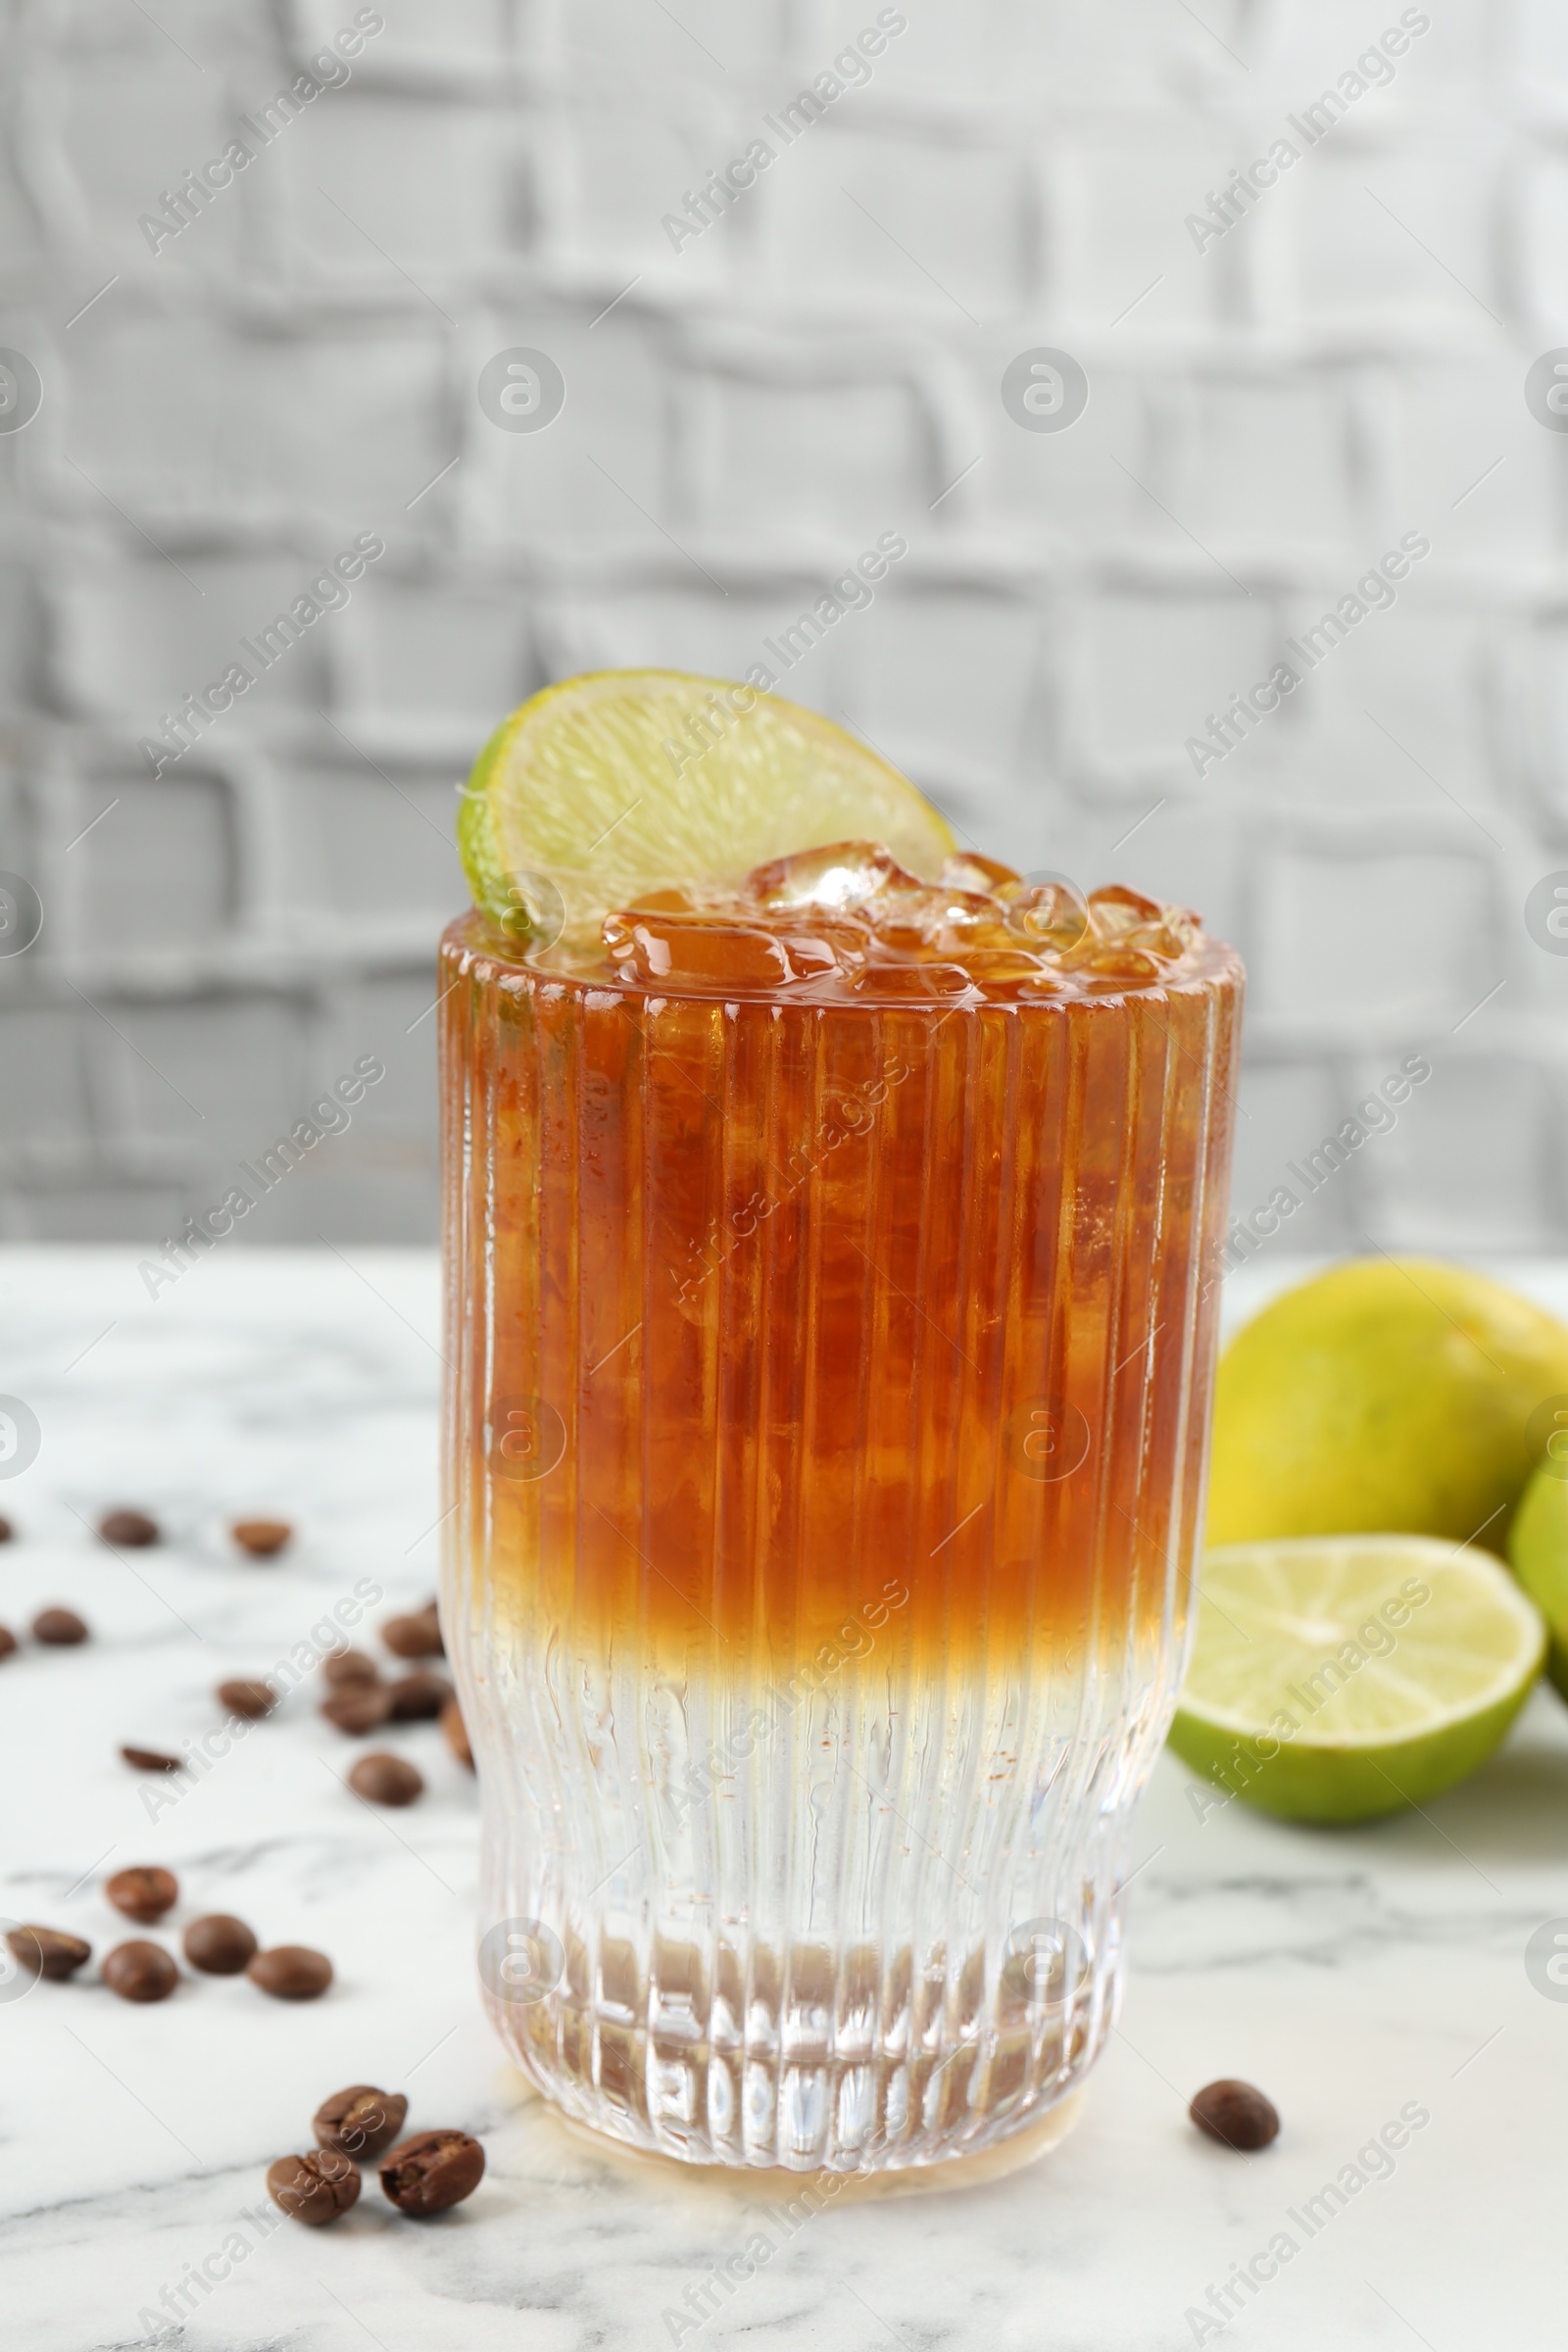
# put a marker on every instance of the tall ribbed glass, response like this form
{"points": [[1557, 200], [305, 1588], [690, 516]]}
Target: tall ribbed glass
{"points": [[829, 1389]]}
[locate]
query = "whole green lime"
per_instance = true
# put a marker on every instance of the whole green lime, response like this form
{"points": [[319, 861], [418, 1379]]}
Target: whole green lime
{"points": [[1538, 1549], [1394, 1395]]}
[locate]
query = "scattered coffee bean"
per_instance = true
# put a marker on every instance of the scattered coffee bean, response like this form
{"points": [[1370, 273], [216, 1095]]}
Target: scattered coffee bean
{"points": [[47, 1952], [1235, 2114], [457, 1732], [151, 1760], [7, 1531], [8, 1641], [291, 1971], [220, 1944], [140, 1971], [418, 1697], [350, 1666], [361, 2120], [127, 1529], [386, 1779], [415, 1637], [62, 1629], [357, 1707], [144, 1893], [313, 2188], [260, 1538], [251, 1700], [432, 2170]]}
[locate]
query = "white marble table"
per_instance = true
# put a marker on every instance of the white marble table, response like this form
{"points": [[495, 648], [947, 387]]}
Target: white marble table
{"points": [[1352, 1974]]}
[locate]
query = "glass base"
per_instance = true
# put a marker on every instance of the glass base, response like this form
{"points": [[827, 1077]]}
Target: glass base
{"points": [[939, 2173], [792, 1974], [820, 2111]]}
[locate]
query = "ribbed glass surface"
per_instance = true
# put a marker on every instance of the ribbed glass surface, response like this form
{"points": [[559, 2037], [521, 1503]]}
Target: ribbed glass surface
{"points": [[828, 1400]]}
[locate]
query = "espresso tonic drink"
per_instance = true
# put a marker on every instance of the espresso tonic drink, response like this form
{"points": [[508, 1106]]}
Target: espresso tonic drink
{"points": [[830, 1345]]}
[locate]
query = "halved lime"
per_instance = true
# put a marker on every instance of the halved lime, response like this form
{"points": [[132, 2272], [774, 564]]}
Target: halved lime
{"points": [[1335, 1676], [630, 781]]}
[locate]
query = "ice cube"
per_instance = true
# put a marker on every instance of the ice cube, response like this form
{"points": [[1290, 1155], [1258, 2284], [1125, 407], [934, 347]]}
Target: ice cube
{"points": [[846, 941], [998, 966], [649, 946], [711, 951], [917, 981], [1125, 918], [811, 955], [667, 901], [1119, 966], [969, 871], [1115, 909], [1182, 927], [844, 874], [937, 920], [1054, 916]]}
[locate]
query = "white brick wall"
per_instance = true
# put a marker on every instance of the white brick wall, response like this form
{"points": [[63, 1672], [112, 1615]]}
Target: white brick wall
{"points": [[1344, 366]]}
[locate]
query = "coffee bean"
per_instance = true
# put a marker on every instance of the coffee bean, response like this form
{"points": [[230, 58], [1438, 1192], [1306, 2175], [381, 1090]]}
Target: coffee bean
{"points": [[151, 1760], [140, 1971], [62, 1629], [416, 1636], [1235, 2114], [386, 1779], [350, 1666], [250, 1701], [313, 2188], [357, 1707], [145, 1893], [220, 1944], [260, 1538], [418, 1697], [432, 2170], [457, 1732], [7, 1531], [361, 2120], [291, 1971], [8, 1641], [47, 1952], [127, 1529]]}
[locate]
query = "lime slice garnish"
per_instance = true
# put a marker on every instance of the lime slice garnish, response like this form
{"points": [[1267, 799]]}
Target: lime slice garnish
{"points": [[1335, 1676], [605, 787]]}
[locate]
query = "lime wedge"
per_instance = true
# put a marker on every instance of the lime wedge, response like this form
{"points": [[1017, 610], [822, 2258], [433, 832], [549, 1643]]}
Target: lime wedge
{"points": [[608, 786], [1335, 1676]]}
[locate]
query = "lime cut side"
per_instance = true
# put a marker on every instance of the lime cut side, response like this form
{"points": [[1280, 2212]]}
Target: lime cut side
{"points": [[624, 781], [1337, 1677]]}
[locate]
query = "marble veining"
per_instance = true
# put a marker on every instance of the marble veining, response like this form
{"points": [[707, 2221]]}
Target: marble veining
{"points": [[1352, 1974]]}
